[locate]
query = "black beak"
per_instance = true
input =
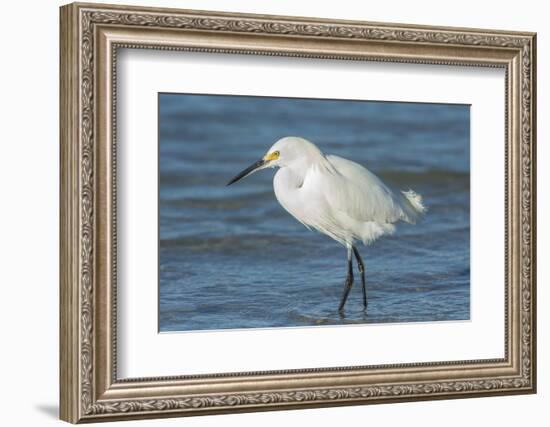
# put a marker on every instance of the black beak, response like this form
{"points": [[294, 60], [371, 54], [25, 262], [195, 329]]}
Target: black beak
{"points": [[248, 171]]}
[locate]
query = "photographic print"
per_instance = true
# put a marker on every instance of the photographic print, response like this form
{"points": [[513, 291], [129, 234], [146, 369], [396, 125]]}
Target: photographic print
{"points": [[287, 212]]}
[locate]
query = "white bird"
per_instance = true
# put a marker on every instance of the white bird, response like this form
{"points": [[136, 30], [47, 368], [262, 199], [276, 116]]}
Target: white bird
{"points": [[337, 197]]}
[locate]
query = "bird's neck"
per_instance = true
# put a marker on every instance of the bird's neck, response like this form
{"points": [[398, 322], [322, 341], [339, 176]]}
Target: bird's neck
{"points": [[294, 173], [290, 176]]}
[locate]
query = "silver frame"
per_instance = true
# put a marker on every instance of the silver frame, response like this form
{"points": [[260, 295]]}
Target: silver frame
{"points": [[90, 37]]}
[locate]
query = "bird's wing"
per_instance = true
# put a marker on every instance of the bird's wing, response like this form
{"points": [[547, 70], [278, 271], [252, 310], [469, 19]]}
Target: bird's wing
{"points": [[354, 190]]}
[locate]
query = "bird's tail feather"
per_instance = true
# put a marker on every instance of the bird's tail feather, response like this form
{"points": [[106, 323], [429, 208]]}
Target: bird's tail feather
{"points": [[413, 206]]}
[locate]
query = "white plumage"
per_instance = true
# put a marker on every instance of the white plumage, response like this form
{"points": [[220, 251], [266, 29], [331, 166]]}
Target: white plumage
{"points": [[336, 196]]}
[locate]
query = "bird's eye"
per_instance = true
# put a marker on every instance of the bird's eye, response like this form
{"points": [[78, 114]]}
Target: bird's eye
{"points": [[274, 155]]}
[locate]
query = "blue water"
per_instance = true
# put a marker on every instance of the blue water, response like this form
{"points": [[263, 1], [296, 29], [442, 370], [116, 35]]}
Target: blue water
{"points": [[231, 257]]}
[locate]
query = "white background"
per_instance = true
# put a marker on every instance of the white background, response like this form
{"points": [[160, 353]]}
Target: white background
{"points": [[143, 352], [29, 171]]}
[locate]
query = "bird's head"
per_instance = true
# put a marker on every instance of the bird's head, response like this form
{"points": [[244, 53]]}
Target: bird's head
{"points": [[284, 152]]}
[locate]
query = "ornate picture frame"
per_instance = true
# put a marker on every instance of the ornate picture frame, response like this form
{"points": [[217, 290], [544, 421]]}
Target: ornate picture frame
{"points": [[90, 37]]}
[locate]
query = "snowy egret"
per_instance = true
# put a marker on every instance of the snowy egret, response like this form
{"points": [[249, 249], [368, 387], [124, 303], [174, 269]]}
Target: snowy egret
{"points": [[337, 197]]}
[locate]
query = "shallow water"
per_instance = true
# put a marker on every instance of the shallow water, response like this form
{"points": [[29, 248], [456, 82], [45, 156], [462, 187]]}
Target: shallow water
{"points": [[231, 257]]}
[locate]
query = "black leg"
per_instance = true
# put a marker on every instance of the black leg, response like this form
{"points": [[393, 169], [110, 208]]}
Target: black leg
{"points": [[348, 283], [362, 271]]}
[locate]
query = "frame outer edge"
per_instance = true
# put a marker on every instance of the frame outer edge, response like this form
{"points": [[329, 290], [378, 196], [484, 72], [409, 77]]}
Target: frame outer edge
{"points": [[77, 225], [305, 19], [69, 354], [534, 270]]}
